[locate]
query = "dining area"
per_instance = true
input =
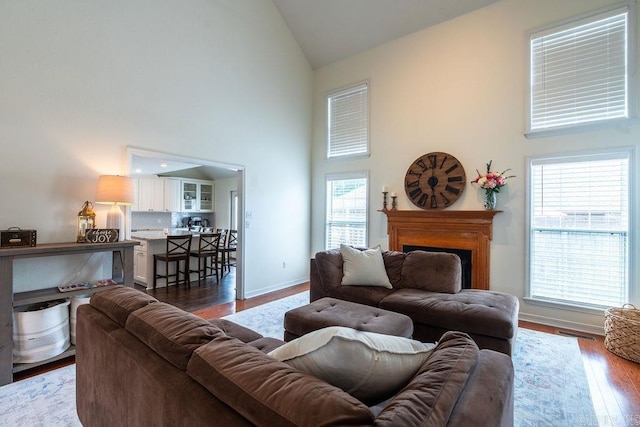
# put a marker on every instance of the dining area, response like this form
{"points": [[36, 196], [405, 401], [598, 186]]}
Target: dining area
{"points": [[182, 257]]}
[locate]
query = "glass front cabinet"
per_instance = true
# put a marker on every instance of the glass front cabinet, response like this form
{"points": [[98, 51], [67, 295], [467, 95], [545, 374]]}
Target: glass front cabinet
{"points": [[197, 196]]}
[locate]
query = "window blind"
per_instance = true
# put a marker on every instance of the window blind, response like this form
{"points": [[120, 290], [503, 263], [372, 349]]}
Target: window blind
{"points": [[348, 120], [579, 72], [346, 214], [579, 229]]}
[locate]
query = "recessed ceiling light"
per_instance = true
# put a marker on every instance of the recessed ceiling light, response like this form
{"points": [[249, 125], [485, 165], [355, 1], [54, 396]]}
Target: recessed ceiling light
{"points": [[163, 165], [138, 170]]}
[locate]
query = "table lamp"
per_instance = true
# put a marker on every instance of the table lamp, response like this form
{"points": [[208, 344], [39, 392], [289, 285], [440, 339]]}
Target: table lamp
{"points": [[117, 191]]}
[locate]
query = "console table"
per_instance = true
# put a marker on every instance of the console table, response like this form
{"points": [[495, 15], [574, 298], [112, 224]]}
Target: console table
{"points": [[122, 273]]}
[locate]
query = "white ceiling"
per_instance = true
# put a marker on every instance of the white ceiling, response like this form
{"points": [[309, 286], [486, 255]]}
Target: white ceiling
{"points": [[330, 30]]}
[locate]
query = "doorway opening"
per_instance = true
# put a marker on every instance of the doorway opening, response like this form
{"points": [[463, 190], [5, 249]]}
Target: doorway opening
{"points": [[143, 162]]}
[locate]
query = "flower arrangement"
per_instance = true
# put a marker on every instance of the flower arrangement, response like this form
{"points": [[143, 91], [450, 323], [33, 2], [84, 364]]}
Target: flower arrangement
{"points": [[491, 182]]}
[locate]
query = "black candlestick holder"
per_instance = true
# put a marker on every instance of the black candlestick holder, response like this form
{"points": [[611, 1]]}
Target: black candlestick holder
{"points": [[384, 200], [394, 204]]}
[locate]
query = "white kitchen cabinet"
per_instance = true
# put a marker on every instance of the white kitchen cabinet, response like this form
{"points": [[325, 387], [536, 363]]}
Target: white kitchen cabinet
{"points": [[197, 196], [141, 263], [150, 195], [172, 193]]}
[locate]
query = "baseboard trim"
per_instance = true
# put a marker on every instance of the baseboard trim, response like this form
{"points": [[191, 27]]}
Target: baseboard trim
{"points": [[277, 287], [558, 323]]}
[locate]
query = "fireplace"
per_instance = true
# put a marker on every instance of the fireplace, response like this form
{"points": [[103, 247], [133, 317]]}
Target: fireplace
{"points": [[449, 231]]}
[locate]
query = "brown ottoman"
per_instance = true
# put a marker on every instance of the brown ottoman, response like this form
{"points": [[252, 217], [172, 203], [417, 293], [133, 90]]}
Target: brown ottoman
{"points": [[334, 312]]}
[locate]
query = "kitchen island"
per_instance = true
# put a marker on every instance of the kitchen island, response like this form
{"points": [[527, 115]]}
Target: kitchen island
{"points": [[154, 242]]}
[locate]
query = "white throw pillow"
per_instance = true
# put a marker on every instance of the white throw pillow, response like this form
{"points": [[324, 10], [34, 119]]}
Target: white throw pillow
{"points": [[363, 268], [367, 365]]}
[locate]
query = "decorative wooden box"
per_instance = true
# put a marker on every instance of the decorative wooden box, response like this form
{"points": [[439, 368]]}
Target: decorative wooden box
{"points": [[15, 237]]}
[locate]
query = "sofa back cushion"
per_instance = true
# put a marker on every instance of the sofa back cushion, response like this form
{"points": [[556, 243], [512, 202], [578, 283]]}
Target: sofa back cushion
{"points": [[269, 392], [430, 398], [171, 332], [432, 271], [118, 302], [330, 267]]}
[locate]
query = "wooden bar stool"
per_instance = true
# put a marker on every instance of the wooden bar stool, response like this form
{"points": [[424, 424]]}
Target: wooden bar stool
{"points": [[208, 256], [229, 248], [178, 249]]}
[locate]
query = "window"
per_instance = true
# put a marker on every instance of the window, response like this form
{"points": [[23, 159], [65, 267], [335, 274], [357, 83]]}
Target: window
{"points": [[579, 228], [579, 72], [348, 121], [346, 210]]}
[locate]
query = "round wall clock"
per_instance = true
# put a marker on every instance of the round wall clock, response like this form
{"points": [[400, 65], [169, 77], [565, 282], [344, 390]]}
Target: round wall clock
{"points": [[434, 180]]}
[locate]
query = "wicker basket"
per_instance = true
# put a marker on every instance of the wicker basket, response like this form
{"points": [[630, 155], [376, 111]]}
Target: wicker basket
{"points": [[622, 331]]}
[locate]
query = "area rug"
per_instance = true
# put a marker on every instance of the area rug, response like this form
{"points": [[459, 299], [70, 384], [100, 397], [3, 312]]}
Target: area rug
{"points": [[551, 388]]}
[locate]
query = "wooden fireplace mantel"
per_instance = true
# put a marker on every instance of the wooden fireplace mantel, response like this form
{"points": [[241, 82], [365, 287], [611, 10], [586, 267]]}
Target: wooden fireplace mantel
{"points": [[448, 229]]}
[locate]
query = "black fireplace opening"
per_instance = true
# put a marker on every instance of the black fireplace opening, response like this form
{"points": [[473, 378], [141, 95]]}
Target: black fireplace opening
{"points": [[464, 254]]}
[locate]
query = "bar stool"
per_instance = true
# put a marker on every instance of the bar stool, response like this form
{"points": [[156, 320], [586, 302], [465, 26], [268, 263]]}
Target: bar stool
{"points": [[178, 249], [229, 248], [207, 254]]}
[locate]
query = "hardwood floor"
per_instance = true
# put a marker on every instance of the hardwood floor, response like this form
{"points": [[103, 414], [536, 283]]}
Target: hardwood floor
{"points": [[614, 382]]}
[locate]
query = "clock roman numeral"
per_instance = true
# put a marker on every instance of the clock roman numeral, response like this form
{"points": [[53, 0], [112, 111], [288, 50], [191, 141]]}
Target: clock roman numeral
{"points": [[434, 202], [415, 193], [448, 171], [422, 165], [433, 159], [454, 179], [418, 174], [443, 161], [447, 202], [452, 190], [414, 183]]}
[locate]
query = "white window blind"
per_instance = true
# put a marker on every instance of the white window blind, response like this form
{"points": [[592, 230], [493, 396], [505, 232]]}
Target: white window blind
{"points": [[348, 121], [579, 229], [579, 72], [346, 214]]}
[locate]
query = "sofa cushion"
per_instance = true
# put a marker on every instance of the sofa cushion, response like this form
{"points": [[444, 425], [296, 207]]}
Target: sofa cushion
{"points": [[432, 271], [172, 333], [234, 330], [118, 302], [430, 397], [367, 365], [363, 267], [268, 392], [474, 311]]}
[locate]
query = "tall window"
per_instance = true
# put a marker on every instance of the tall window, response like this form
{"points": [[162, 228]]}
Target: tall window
{"points": [[579, 228], [346, 210], [348, 121], [579, 72]]}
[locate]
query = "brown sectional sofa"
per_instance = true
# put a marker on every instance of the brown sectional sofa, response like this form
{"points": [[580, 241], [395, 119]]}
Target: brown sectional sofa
{"points": [[142, 362], [427, 288]]}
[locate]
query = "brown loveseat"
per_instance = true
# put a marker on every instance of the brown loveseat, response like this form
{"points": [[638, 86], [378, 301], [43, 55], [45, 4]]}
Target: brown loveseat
{"points": [[427, 288], [141, 362]]}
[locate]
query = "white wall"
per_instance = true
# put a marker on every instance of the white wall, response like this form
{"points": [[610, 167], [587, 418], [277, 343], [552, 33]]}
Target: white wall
{"points": [[460, 87], [213, 79], [223, 189]]}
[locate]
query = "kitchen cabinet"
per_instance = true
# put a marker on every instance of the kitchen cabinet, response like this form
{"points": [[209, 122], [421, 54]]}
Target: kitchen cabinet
{"points": [[149, 195], [197, 196], [122, 272], [172, 187], [140, 263], [154, 194]]}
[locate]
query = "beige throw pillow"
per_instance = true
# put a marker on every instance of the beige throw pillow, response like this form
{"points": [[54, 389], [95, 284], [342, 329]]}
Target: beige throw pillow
{"points": [[363, 268], [369, 366]]}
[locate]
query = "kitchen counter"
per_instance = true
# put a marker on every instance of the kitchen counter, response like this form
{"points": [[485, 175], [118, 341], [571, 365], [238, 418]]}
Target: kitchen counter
{"points": [[161, 234]]}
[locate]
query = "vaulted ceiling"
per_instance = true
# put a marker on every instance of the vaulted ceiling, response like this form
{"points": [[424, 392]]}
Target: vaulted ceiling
{"points": [[330, 30]]}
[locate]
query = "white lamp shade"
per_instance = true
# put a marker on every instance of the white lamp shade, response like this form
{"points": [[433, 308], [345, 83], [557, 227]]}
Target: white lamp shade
{"points": [[115, 190]]}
